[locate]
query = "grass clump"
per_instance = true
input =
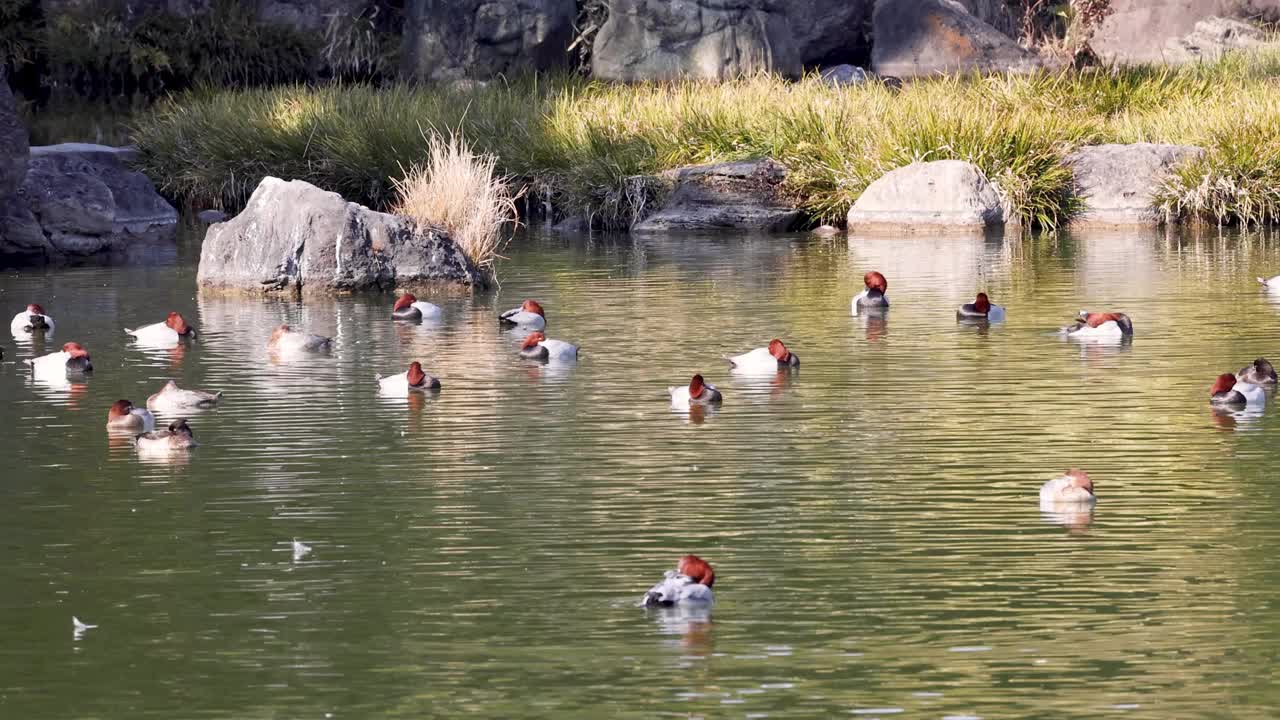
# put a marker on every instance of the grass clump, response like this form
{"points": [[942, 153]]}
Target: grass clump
{"points": [[592, 148], [460, 191]]}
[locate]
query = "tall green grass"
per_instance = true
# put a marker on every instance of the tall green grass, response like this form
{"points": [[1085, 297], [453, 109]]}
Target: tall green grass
{"points": [[588, 147]]}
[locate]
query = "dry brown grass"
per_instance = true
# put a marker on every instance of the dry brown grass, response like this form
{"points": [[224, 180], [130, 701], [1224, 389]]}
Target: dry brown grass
{"points": [[460, 191]]}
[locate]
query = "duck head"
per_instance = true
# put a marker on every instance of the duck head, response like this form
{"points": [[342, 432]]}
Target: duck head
{"points": [[875, 281], [982, 304], [79, 357], [1223, 391], [404, 301], [36, 320], [1094, 320], [784, 356], [532, 306], [278, 333], [697, 569], [531, 349], [180, 427], [179, 325], [1080, 479], [1264, 370], [415, 375], [119, 409], [697, 386]]}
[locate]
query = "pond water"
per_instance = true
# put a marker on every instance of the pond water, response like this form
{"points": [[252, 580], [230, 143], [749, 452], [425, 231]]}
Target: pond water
{"points": [[873, 519]]}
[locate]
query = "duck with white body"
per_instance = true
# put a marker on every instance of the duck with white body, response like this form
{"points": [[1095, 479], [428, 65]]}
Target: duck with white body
{"points": [[72, 358], [697, 392], [688, 585], [408, 307], [772, 359], [529, 316], [173, 399], [412, 380], [32, 320], [538, 347], [165, 334], [872, 299]]}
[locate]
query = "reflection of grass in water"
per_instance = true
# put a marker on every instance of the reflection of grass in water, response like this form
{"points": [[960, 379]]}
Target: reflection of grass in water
{"points": [[77, 120]]}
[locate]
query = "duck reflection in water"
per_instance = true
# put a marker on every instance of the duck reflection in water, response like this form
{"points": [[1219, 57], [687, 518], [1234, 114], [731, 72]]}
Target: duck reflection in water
{"points": [[692, 624]]}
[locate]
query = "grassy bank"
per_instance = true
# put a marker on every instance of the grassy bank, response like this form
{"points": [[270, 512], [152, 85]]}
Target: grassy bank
{"points": [[579, 144]]}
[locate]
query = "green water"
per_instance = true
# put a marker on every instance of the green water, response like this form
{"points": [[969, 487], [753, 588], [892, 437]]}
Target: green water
{"points": [[873, 520]]}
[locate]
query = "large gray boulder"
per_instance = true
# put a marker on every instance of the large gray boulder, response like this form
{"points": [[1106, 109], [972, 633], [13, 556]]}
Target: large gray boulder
{"points": [[942, 194], [733, 196], [455, 39], [915, 38], [1117, 183], [700, 39], [295, 238], [1153, 31], [13, 142], [87, 200]]}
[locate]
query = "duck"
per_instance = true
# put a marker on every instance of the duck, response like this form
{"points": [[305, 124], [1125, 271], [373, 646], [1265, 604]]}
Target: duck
{"points": [[1091, 325], [537, 347], [1070, 488], [172, 398], [689, 584], [697, 392], [1270, 283], [412, 380], [72, 358], [872, 298], [178, 436], [1229, 392], [124, 416], [1260, 372], [33, 319], [980, 309], [408, 307], [528, 316], [769, 359], [285, 339], [166, 334]]}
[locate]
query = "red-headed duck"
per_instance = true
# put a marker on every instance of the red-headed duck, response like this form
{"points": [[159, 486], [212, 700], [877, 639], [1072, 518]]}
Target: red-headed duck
{"points": [[172, 398], [689, 584], [33, 319], [528, 316], [285, 339], [1071, 488], [178, 436], [412, 380], [1229, 392], [163, 334], [124, 416], [1100, 326], [72, 358], [697, 392], [1260, 372], [408, 307], [769, 359], [537, 347], [872, 298], [980, 309]]}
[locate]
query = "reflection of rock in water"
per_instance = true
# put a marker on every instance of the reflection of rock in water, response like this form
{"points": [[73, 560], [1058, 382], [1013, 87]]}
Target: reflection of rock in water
{"points": [[1112, 259], [950, 266]]}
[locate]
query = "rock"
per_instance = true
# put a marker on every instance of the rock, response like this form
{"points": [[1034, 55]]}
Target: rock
{"points": [[1211, 38], [452, 39], [209, 217], [916, 38], [925, 195], [1117, 182], [13, 143], [842, 75], [294, 237], [22, 242], [1152, 31], [85, 201], [732, 196], [700, 39], [826, 231], [829, 32]]}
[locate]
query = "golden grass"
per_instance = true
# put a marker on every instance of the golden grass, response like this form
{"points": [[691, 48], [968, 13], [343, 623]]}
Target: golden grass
{"points": [[463, 193]]}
